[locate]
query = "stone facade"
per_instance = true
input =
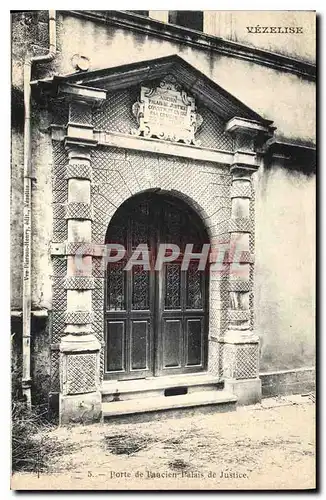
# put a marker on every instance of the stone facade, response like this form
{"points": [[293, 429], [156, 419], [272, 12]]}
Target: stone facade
{"points": [[91, 181], [92, 161]]}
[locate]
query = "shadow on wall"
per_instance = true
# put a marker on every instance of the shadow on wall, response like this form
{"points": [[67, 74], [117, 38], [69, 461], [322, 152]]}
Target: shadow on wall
{"points": [[40, 359], [285, 268]]}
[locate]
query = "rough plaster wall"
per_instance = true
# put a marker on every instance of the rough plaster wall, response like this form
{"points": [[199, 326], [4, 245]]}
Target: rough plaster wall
{"points": [[29, 36], [16, 356], [41, 214], [285, 268], [41, 263], [40, 365], [232, 25], [282, 97], [270, 92], [16, 219], [40, 358], [107, 46]]}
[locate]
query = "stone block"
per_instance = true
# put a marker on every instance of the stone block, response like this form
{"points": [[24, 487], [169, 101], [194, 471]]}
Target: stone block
{"points": [[80, 408], [248, 391]]}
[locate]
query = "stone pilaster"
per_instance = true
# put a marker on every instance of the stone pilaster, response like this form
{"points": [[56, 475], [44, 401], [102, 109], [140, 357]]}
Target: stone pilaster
{"points": [[240, 358], [80, 397]]}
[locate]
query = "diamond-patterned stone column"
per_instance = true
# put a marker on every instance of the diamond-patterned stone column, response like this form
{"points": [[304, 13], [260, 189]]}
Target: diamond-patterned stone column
{"points": [[240, 343], [80, 397]]}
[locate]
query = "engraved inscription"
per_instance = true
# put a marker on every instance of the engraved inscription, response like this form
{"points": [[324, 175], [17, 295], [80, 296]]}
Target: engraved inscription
{"points": [[167, 112]]}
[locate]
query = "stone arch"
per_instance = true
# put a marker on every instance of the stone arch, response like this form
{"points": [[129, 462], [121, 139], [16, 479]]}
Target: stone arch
{"points": [[145, 218], [204, 186], [193, 204], [120, 174]]}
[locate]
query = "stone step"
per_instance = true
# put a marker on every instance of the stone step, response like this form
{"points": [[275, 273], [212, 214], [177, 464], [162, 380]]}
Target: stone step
{"points": [[144, 409], [122, 390]]}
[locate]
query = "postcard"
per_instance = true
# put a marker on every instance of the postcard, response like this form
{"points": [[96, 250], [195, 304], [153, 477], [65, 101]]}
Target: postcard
{"points": [[163, 179]]}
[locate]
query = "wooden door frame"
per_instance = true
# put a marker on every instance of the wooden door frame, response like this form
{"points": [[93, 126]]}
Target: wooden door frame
{"points": [[156, 311]]}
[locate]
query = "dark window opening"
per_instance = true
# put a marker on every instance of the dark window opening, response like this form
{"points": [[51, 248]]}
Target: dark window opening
{"points": [[192, 19]]}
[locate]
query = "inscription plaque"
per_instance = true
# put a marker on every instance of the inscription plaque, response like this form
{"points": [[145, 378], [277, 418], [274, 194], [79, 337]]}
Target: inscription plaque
{"points": [[167, 112]]}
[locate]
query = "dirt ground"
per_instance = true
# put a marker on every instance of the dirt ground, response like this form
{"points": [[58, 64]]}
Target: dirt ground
{"points": [[265, 446]]}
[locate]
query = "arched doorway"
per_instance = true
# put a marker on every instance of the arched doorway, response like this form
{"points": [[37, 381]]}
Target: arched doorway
{"points": [[156, 321]]}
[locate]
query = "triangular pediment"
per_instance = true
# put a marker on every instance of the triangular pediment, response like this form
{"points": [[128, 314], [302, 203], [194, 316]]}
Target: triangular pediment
{"points": [[198, 85]]}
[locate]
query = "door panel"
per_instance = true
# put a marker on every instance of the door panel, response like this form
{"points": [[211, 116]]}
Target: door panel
{"points": [[172, 288], [140, 345], [156, 321], [195, 287], [194, 341], [115, 346], [140, 289], [172, 343], [188, 342], [116, 283]]}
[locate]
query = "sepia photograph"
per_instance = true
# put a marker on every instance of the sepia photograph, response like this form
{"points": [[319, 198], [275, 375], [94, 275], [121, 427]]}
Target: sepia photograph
{"points": [[163, 250]]}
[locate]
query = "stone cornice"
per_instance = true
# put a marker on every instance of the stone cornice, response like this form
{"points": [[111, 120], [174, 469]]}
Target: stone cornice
{"points": [[250, 127], [198, 84], [199, 40], [112, 139], [276, 145], [163, 147], [81, 93], [294, 156]]}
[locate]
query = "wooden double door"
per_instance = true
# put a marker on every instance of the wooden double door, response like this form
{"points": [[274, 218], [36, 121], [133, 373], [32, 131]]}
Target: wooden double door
{"points": [[156, 321]]}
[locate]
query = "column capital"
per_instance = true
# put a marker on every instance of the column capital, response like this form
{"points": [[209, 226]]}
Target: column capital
{"points": [[80, 130], [78, 152], [247, 127], [80, 136], [249, 137], [81, 93], [242, 171]]}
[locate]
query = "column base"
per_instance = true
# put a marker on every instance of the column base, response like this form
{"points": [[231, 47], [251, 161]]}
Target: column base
{"points": [[248, 391], [80, 408]]}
